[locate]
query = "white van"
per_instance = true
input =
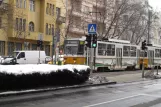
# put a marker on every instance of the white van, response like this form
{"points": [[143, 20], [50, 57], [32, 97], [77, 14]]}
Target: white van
{"points": [[29, 57]]}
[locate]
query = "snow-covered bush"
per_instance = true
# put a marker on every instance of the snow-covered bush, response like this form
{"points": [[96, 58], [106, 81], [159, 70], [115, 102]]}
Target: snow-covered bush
{"points": [[33, 76]]}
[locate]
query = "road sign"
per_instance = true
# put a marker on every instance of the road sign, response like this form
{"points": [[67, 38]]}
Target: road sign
{"points": [[92, 28], [40, 37]]}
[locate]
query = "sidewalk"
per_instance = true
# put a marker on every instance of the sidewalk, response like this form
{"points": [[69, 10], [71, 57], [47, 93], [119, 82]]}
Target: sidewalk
{"points": [[122, 76]]}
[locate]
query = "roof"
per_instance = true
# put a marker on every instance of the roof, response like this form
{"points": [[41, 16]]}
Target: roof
{"points": [[119, 41], [28, 51]]}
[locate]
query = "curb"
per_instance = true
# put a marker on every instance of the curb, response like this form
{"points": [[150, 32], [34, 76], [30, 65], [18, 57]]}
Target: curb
{"points": [[12, 93]]}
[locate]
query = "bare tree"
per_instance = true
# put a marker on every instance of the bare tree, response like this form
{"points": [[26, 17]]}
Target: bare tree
{"points": [[8, 14], [123, 20]]}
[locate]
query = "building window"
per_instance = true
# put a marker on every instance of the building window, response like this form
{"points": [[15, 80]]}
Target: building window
{"points": [[53, 10], [16, 23], [24, 25], [21, 3], [57, 12], [52, 30], [26, 45], [18, 46], [0, 22], [47, 8], [2, 48], [17, 3], [31, 26], [20, 24], [47, 50], [32, 5], [24, 3], [10, 48], [47, 28], [50, 9], [34, 47]]}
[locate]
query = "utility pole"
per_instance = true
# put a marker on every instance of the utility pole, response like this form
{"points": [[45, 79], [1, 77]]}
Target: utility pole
{"points": [[94, 59], [143, 47], [149, 23], [94, 50]]}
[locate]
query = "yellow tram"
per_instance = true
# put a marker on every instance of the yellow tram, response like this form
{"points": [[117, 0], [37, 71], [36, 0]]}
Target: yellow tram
{"points": [[112, 54], [74, 51]]}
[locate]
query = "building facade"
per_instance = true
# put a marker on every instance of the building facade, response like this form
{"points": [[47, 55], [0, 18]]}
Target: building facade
{"points": [[156, 29], [108, 16], [80, 13], [23, 22]]}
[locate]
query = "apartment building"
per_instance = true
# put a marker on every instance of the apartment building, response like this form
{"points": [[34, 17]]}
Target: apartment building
{"points": [[23, 22], [156, 29], [80, 13]]}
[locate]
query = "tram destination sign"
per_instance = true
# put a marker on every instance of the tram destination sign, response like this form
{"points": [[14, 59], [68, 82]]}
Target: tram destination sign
{"points": [[71, 42]]}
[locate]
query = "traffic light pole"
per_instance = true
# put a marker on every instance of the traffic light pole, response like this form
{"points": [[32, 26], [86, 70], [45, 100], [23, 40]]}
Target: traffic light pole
{"points": [[91, 56], [39, 55], [143, 64], [87, 52]]}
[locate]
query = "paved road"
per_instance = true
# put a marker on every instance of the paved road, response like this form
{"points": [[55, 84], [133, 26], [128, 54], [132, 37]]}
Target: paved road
{"points": [[137, 94]]}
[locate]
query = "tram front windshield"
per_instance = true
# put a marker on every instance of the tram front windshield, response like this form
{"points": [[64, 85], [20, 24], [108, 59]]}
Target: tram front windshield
{"points": [[73, 47]]}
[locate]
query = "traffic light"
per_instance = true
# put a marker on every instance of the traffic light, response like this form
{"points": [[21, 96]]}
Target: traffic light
{"points": [[88, 40], [39, 43], [94, 41], [143, 47]]}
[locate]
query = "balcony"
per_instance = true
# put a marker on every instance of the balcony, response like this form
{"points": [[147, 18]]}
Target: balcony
{"points": [[98, 19], [75, 12], [98, 4], [77, 29], [60, 19]]}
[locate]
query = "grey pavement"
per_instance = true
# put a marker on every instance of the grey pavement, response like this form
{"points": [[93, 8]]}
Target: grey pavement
{"points": [[123, 76], [136, 94]]}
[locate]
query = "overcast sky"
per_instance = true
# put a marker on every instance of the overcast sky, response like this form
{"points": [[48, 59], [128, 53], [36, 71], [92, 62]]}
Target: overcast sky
{"points": [[156, 4]]}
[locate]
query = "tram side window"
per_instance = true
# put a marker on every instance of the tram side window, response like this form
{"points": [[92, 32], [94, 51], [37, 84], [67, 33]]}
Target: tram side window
{"points": [[142, 53], [101, 49], [110, 50], [157, 53], [133, 52], [126, 50], [160, 53]]}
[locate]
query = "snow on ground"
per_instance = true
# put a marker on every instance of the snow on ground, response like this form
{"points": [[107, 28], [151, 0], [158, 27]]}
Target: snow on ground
{"points": [[42, 68]]}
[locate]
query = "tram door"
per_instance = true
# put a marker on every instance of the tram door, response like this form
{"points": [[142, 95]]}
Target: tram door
{"points": [[151, 57], [119, 57]]}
